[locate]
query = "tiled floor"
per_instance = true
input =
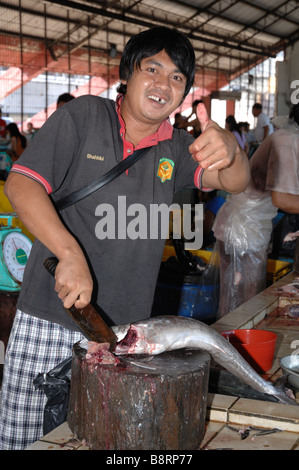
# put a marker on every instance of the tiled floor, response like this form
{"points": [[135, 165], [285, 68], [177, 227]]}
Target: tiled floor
{"points": [[228, 417]]}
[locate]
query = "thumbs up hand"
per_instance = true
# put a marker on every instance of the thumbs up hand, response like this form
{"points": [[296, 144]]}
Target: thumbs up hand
{"points": [[216, 147]]}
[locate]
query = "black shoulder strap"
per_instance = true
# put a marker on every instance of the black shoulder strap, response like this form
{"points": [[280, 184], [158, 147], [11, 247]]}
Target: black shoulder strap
{"points": [[103, 181]]}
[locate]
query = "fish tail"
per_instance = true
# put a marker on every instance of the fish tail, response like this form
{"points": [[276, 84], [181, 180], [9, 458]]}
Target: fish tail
{"points": [[282, 397]]}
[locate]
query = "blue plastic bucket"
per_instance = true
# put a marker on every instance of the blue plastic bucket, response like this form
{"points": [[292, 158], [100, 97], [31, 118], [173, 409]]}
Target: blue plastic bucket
{"points": [[191, 299]]}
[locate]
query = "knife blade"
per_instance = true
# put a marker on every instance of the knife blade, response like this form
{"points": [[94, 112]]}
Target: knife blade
{"points": [[87, 318]]}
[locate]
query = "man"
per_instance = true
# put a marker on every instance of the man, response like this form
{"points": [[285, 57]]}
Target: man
{"points": [[29, 134], [118, 272], [263, 125]]}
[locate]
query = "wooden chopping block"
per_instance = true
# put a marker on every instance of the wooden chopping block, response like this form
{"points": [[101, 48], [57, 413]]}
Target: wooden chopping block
{"points": [[145, 403]]}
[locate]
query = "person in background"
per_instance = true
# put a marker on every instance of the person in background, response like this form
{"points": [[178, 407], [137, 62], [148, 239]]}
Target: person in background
{"points": [[64, 98], [2, 126], [263, 125], [179, 121], [18, 141], [156, 72], [249, 135], [30, 131], [243, 225], [232, 126]]}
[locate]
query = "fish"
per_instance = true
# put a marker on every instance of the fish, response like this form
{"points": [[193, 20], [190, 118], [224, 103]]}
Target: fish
{"points": [[291, 310], [167, 333], [289, 289]]}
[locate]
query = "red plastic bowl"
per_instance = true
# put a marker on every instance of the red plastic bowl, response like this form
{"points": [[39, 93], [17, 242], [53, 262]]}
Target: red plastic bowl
{"points": [[256, 346]]}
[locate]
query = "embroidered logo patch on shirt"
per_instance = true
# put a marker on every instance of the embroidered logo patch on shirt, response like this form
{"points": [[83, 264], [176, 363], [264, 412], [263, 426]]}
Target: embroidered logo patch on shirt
{"points": [[165, 169]]}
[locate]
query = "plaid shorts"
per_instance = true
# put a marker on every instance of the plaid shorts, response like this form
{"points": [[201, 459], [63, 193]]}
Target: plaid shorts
{"points": [[34, 346]]}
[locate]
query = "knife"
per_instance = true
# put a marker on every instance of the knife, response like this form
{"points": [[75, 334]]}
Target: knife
{"points": [[87, 318]]}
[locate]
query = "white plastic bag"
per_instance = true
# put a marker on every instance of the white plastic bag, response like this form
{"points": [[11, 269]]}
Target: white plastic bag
{"points": [[243, 229]]}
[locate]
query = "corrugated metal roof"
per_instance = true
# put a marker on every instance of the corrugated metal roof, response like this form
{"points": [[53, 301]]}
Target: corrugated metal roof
{"points": [[229, 36]]}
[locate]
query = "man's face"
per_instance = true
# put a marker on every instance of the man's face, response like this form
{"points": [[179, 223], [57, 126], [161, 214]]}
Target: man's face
{"points": [[155, 90], [255, 112]]}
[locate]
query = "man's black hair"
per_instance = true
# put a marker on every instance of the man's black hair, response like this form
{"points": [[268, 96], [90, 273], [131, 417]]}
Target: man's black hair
{"points": [[151, 42], [65, 98]]}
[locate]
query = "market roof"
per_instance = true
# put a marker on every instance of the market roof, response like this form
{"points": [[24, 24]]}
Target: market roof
{"points": [[229, 36]]}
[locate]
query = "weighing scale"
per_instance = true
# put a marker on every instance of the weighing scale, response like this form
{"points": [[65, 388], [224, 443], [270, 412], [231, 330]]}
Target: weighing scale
{"points": [[15, 248]]}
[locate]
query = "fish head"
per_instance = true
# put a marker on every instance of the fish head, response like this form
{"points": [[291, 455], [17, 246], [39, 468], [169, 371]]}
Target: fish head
{"points": [[139, 340]]}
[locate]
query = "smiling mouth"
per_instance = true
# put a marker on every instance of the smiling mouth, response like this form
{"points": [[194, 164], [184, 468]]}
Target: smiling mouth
{"points": [[157, 99]]}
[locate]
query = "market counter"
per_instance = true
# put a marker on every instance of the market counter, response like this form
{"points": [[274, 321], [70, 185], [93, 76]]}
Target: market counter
{"points": [[229, 417]]}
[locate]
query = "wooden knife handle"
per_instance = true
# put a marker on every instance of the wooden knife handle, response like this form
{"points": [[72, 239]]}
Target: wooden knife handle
{"points": [[87, 318], [50, 264]]}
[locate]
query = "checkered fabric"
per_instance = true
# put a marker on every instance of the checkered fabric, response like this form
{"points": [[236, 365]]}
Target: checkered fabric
{"points": [[34, 346]]}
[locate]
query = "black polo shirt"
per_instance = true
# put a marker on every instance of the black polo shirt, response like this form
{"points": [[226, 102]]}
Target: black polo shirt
{"points": [[115, 226]]}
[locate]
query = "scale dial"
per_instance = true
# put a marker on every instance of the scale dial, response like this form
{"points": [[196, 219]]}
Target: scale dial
{"points": [[16, 250]]}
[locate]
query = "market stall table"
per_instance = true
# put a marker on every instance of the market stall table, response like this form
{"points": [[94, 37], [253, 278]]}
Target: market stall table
{"points": [[228, 417]]}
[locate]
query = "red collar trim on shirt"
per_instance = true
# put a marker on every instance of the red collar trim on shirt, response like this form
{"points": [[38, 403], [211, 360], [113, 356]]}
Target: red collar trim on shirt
{"points": [[164, 132]]}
